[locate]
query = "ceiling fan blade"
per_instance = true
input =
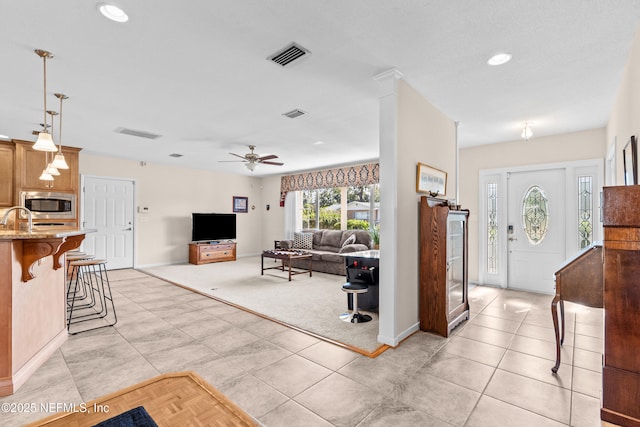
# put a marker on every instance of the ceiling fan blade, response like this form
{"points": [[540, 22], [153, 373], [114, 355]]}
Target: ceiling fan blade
{"points": [[231, 161], [238, 155], [269, 157], [272, 163]]}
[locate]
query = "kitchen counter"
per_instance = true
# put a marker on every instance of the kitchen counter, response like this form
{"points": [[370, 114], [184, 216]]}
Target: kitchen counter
{"points": [[42, 233], [32, 299]]}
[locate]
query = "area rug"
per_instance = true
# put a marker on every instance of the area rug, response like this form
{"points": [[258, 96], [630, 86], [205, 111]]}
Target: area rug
{"points": [[174, 399], [312, 304]]}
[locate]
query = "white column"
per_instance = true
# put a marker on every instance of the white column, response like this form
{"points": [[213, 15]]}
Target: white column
{"points": [[388, 307]]}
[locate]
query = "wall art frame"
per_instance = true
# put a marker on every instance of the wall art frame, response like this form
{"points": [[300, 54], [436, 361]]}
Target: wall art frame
{"points": [[430, 180], [240, 204]]}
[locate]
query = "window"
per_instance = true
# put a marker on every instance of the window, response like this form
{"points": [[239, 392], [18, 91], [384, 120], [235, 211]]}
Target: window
{"points": [[492, 227], [535, 215], [322, 208], [585, 211]]}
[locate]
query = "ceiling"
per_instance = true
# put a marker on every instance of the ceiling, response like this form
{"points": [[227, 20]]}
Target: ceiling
{"points": [[196, 73]]}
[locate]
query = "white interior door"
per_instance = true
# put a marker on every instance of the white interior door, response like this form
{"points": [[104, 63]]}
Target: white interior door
{"points": [[535, 228], [108, 207]]}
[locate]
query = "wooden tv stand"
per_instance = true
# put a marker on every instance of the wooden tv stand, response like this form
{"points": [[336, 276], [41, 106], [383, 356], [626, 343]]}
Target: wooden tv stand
{"points": [[204, 253]]}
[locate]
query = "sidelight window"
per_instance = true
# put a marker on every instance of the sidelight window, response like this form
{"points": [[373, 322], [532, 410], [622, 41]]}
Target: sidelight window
{"points": [[585, 211], [492, 227], [535, 215]]}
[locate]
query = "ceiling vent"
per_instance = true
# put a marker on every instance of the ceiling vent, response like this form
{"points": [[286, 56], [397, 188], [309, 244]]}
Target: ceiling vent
{"points": [[176, 155], [138, 133], [289, 55], [294, 113]]}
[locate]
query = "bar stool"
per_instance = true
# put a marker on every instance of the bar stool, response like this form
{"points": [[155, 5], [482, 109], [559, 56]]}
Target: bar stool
{"points": [[71, 272], [90, 277], [355, 316]]}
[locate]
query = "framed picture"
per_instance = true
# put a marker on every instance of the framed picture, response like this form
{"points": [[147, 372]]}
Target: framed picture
{"points": [[240, 204], [431, 180], [630, 161]]}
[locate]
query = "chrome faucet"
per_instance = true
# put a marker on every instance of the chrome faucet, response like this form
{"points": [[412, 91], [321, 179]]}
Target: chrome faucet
{"points": [[4, 219]]}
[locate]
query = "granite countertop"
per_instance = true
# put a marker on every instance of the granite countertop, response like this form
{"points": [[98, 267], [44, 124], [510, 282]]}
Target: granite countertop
{"points": [[39, 233]]}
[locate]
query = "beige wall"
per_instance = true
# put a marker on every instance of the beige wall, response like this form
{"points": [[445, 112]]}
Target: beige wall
{"points": [[427, 136], [172, 194], [273, 219], [625, 115], [584, 145]]}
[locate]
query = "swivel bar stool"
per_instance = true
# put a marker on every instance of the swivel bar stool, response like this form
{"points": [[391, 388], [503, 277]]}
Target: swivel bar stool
{"points": [[355, 316]]}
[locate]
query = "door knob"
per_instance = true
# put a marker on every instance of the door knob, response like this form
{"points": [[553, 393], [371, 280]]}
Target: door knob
{"points": [[128, 229], [511, 239]]}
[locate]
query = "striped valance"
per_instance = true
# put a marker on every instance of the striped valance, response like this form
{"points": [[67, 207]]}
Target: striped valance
{"points": [[329, 178]]}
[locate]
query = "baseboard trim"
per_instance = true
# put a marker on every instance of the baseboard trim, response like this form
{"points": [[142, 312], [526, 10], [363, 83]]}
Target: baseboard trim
{"points": [[395, 341], [22, 375]]}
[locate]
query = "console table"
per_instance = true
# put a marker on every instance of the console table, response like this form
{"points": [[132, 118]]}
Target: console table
{"points": [[204, 253]]}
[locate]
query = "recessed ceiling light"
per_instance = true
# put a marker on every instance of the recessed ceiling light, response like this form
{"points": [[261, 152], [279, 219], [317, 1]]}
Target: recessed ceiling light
{"points": [[499, 59], [318, 142], [113, 12]]}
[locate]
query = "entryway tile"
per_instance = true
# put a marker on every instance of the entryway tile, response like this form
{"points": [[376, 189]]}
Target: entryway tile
{"points": [[492, 412], [292, 375], [458, 370], [292, 414], [536, 368], [475, 350], [536, 396], [340, 400], [328, 355]]}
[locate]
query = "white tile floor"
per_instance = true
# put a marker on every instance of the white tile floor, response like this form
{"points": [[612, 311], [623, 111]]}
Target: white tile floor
{"points": [[494, 370]]}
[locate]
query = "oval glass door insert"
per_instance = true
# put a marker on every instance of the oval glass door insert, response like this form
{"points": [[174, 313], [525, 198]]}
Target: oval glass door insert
{"points": [[535, 215]]}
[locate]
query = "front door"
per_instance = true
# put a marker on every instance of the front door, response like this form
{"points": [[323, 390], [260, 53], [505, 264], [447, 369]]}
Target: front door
{"points": [[535, 228], [108, 208]]}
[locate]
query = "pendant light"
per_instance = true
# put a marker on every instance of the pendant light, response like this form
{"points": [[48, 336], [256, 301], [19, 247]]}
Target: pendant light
{"points": [[59, 161], [50, 169], [44, 141], [46, 176]]}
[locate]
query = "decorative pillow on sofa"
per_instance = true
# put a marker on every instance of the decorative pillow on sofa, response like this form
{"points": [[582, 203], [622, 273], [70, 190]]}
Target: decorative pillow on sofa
{"points": [[302, 240], [349, 240]]}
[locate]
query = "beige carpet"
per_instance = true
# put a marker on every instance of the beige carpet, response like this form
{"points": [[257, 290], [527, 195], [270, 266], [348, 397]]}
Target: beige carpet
{"points": [[313, 303]]}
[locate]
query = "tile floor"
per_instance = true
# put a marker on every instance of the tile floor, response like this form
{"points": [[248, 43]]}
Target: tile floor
{"points": [[494, 370]]}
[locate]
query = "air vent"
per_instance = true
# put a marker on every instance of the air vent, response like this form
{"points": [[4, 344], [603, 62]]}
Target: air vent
{"points": [[138, 133], [175, 155], [289, 54], [294, 113]]}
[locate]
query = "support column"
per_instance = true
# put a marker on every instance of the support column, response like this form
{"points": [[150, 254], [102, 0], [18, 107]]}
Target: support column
{"points": [[388, 307]]}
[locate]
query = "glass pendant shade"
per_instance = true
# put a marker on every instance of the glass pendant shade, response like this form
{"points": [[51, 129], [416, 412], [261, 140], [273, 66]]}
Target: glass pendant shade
{"points": [[526, 132], [51, 170], [45, 143], [59, 161], [250, 166], [45, 176]]}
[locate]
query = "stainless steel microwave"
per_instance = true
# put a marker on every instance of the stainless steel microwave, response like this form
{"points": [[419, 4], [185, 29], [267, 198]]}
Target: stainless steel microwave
{"points": [[48, 205]]}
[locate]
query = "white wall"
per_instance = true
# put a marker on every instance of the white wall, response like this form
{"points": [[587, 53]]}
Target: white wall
{"points": [[584, 145], [625, 115], [172, 194]]}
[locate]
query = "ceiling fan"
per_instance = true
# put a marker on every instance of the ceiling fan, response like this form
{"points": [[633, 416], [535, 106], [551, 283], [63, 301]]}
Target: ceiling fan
{"points": [[252, 159]]}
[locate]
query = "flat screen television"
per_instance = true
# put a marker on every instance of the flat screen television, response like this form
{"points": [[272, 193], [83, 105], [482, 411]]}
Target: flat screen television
{"points": [[213, 226]]}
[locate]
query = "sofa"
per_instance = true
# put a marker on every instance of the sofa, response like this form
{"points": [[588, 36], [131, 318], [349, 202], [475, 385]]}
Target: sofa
{"points": [[325, 246]]}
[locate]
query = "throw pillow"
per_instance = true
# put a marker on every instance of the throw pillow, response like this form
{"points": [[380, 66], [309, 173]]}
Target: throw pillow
{"points": [[303, 240], [349, 240]]}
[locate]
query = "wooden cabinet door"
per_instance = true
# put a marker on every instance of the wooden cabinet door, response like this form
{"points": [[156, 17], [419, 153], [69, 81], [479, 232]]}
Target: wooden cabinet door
{"points": [[33, 162], [7, 183]]}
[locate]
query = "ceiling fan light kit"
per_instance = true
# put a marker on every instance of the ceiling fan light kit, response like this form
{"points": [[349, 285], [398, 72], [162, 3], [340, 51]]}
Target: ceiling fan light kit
{"points": [[251, 160]]}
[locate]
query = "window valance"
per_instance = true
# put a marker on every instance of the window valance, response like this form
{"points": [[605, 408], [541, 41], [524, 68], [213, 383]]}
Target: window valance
{"points": [[366, 174]]}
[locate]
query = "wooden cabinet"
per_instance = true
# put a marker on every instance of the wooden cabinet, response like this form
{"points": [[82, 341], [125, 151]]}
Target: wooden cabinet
{"points": [[7, 183], [621, 364], [443, 293], [30, 164], [204, 253]]}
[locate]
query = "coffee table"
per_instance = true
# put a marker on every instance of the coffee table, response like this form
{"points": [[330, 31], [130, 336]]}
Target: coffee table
{"points": [[286, 255]]}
